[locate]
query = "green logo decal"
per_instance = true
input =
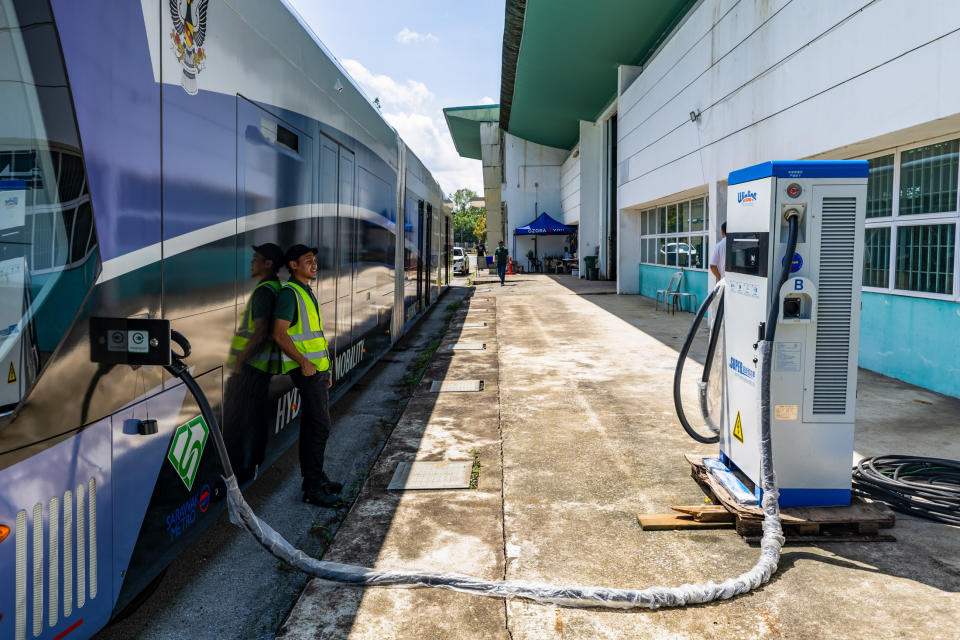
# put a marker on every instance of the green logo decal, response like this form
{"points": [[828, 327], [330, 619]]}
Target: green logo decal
{"points": [[187, 449]]}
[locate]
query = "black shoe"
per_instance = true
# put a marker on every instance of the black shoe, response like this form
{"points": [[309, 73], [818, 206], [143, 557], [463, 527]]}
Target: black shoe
{"points": [[330, 486], [321, 498]]}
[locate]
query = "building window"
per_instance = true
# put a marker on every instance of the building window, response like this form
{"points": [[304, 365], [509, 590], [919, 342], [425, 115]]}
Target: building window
{"points": [[925, 258], [880, 187], [876, 257], [928, 179], [912, 213], [675, 235]]}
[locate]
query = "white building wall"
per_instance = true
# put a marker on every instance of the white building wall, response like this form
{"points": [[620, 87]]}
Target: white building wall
{"points": [[591, 195], [570, 188], [531, 187], [780, 80]]}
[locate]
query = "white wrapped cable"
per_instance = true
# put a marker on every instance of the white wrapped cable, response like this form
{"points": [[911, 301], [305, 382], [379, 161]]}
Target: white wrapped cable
{"points": [[570, 596]]}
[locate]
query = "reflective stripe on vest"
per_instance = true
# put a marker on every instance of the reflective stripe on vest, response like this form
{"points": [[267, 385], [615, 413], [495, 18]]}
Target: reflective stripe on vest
{"points": [[307, 336], [269, 358]]}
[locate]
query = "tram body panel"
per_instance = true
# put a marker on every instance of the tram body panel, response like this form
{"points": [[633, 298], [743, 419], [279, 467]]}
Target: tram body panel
{"points": [[151, 188]]}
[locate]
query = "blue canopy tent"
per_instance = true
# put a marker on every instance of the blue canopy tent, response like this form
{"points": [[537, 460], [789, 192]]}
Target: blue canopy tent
{"points": [[542, 226], [545, 226]]}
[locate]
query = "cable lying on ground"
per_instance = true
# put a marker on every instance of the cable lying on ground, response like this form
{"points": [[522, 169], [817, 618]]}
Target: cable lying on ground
{"points": [[924, 487], [570, 596]]}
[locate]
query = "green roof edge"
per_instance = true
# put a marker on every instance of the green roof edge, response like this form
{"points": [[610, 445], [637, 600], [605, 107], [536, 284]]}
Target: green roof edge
{"points": [[514, 14]]}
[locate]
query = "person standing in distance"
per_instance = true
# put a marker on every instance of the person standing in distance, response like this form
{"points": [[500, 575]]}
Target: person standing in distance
{"points": [[298, 332], [718, 257], [501, 255]]}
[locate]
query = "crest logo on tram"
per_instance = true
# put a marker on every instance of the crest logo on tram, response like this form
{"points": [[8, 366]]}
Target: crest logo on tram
{"points": [[189, 31]]}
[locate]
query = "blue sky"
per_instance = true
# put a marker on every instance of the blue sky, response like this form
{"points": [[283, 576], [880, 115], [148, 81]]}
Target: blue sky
{"points": [[418, 56]]}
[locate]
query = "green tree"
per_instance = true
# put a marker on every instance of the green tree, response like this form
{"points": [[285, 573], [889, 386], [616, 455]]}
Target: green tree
{"points": [[480, 227], [469, 222]]}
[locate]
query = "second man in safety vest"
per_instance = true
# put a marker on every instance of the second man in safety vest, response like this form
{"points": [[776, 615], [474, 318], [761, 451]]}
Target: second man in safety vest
{"points": [[298, 332]]}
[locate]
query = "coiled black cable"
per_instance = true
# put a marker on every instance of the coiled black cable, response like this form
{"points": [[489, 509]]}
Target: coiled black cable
{"points": [[924, 487], [684, 350]]}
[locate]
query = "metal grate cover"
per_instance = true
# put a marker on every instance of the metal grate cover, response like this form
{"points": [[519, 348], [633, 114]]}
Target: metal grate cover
{"points": [[472, 325], [837, 250], [469, 309], [431, 475], [467, 346], [443, 386]]}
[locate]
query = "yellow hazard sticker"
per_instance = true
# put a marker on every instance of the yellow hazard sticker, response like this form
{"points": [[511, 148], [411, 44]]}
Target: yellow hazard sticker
{"points": [[738, 429], [12, 376]]}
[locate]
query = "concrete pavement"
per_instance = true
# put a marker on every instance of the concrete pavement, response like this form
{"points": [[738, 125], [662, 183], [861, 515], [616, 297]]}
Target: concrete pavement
{"points": [[576, 433]]}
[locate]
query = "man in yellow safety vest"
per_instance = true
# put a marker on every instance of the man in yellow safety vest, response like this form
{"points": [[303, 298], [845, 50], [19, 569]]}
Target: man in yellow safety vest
{"points": [[298, 332], [252, 361]]}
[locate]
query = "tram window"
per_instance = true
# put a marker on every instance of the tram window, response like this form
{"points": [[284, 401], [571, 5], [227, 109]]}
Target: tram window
{"points": [[48, 256], [288, 138]]}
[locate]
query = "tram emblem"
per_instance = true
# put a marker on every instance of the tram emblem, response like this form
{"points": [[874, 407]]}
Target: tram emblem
{"points": [[189, 32], [187, 449]]}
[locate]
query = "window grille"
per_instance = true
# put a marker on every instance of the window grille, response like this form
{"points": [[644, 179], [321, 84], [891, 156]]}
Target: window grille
{"points": [[675, 234]]}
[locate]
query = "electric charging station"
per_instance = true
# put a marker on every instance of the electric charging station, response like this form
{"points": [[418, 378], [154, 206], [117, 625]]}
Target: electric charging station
{"points": [[813, 377]]}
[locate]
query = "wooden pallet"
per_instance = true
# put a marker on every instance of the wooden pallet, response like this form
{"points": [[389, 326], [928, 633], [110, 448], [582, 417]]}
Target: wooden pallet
{"points": [[860, 522]]}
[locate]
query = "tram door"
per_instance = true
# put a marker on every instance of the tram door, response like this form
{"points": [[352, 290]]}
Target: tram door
{"points": [[329, 260], [428, 255], [420, 253], [347, 255]]}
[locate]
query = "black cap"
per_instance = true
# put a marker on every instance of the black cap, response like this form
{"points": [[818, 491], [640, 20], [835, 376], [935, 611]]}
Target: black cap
{"points": [[271, 252], [293, 253]]}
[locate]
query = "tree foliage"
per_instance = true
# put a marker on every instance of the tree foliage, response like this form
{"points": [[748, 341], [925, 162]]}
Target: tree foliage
{"points": [[469, 222]]}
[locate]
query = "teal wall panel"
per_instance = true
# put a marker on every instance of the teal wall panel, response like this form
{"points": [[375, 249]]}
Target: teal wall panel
{"points": [[653, 277], [916, 340]]}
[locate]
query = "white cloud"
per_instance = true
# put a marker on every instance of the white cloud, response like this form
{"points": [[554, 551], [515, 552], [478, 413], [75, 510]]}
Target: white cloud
{"points": [[410, 108], [487, 100], [406, 36], [390, 92], [430, 139]]}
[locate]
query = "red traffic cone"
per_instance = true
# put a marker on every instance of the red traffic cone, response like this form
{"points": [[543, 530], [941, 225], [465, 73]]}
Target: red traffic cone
{"points": [[510, 270]]}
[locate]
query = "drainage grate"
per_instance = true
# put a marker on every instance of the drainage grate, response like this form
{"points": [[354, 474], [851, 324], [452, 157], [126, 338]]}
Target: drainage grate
{"points": [[431, 475], [469, 309], [467, 346], [472, 325], [443, 386]]}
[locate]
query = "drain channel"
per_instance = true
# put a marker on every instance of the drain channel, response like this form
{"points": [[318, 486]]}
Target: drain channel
{"points": [[431, 475], [467, 346], [445, 386]]}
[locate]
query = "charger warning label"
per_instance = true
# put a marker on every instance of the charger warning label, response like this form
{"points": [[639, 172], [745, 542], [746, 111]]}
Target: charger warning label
{"points": [[738, 429], [12, 376]]}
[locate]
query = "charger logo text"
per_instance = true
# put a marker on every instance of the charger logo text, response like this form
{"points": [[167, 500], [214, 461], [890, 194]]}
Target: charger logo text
{"points": [[745, 197], [742, 370]]}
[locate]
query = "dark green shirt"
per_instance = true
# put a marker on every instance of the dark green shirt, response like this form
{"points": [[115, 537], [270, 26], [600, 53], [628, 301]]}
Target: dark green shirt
{"points": [[501, 253], [264, 300], [287, 302]]}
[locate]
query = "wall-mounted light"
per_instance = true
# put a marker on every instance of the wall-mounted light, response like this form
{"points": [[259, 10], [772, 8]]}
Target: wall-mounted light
{"points": [[694, 115], [576, 153], [338, 86]]}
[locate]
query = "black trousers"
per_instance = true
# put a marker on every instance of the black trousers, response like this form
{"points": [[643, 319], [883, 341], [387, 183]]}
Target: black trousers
{"points": [[314, 425], [246, 418]]}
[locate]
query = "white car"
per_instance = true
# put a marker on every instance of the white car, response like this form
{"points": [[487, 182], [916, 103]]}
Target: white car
{"points": [[459, 262]]}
